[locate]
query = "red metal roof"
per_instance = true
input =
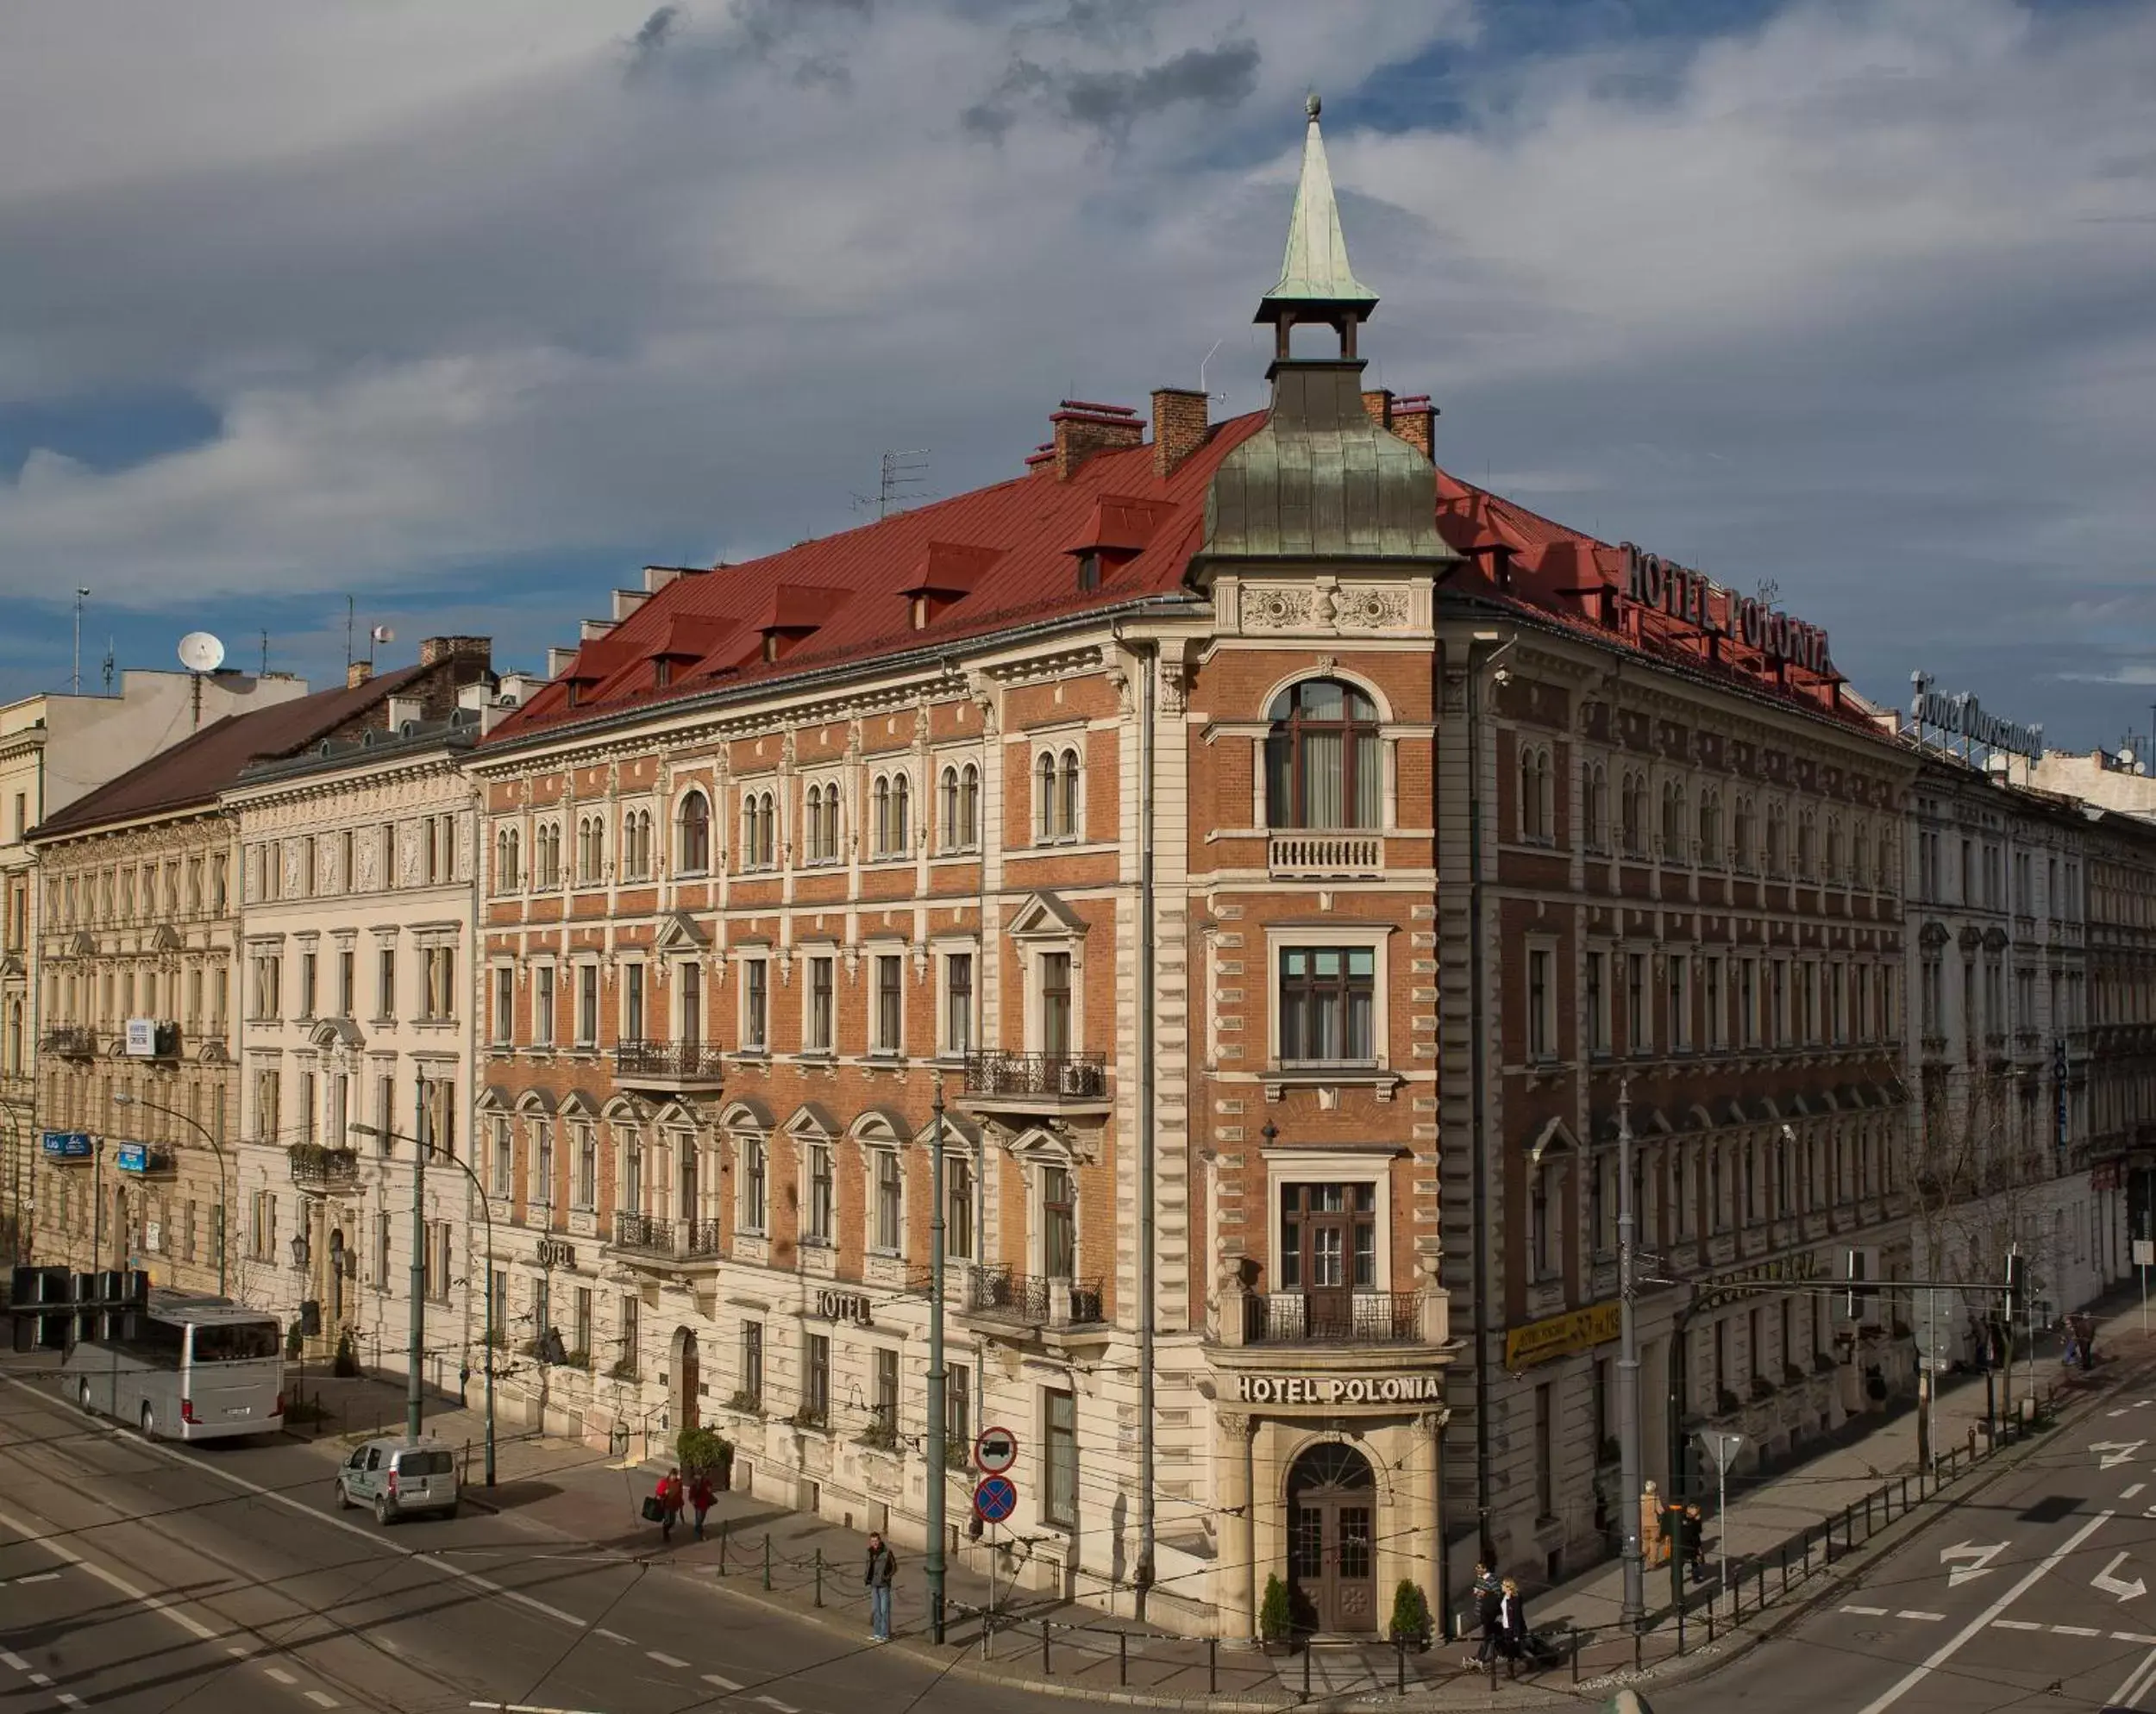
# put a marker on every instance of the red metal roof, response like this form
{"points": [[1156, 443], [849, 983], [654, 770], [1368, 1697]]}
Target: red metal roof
{"points": [[1004, 556]]}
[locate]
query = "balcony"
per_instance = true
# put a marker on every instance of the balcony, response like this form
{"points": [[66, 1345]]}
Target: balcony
{"points": [[1333, 1319], [1326, 856], [71, 1041], [317, 1171], [1037, 1083], [671, 1245], [1031, 1299], [670, 1067]]}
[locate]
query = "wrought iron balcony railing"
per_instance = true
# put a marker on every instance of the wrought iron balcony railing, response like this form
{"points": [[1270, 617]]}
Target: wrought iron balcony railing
{"points": [[1333, 1319], [322, 1170], [1004, 1294], [1054, 1077], [668, 1062]]}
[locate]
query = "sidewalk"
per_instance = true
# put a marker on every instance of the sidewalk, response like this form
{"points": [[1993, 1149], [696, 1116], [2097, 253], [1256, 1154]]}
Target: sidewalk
{"points": [[810, 1569]]}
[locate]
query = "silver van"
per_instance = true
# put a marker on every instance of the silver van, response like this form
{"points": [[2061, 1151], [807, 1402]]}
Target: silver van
{"points": [[398, 1477]]}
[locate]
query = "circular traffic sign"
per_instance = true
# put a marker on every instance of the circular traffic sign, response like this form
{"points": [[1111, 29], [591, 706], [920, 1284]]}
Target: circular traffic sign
{"points": [[995, 1451], [994, 1498]]}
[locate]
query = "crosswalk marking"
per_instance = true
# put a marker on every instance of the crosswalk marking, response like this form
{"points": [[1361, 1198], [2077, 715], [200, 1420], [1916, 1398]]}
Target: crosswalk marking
{"points": [[322, 1698], [1906, 1613], [664, 1660], [70, 1698], [1868, 1612], [2141, 1637], [280, 1675], [723, 1684], [15, 1663], [2075, 1631], [2015, 1625]]}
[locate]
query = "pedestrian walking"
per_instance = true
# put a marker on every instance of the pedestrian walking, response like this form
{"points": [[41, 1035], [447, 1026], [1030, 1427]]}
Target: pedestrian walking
{"points": [[1489, 1593], [1511, 1626], [1694, 1542], [883, 1566], [668, 1494], [701, 1499]]}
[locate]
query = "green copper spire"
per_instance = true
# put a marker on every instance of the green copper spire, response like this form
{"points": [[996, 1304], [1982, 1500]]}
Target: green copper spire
{"points": [[1316, 269]]}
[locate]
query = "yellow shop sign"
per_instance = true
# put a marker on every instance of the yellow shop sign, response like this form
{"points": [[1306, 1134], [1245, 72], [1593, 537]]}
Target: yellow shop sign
{"points": [[1560, 1335]]}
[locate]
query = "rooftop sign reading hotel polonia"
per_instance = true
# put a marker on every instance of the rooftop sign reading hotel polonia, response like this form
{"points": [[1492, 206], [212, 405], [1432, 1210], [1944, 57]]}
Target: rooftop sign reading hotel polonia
{"points": [[1695, 599]]}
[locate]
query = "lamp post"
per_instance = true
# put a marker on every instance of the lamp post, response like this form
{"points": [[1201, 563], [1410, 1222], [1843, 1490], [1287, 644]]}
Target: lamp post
{"points": [[938, 1378], [1634, 1605], [418, 1315], [124, 1098]]}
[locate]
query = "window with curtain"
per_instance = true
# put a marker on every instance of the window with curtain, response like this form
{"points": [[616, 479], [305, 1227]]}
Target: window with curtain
{"points": [[1059, 1223], [957, 1207], [890, 1003], [818, 1214], [694, 834], [1327, 1005], [1045, 799], [890, 1201], [754, 1198], [1323, 765]]}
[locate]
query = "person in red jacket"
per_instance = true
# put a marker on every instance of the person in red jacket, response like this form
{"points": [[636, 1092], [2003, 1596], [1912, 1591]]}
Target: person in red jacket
{"points": [[701, 1498], [668, 1495]]}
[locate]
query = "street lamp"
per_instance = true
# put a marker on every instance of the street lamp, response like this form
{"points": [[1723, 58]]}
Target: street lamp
{"points": [[938, 1379], [419, 1283], [125, 1098]]}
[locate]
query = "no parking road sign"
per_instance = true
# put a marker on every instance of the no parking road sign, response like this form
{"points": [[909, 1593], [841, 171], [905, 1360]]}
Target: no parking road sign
{"points": [[996, 1451], [994, 1498]]}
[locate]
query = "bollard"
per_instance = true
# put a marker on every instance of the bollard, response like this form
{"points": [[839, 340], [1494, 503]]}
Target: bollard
{"points": [[766, 1558], [1046, 1669], [1849, 1529], [819, 1576], [1905, 1491], [1638, 1646], [1867, 1518], [1972, 1442], [1213, 1666], [1785, 1568], [1309, 1647], [1572, 1635], [1681, 1605], [1710, 1626], [721, 1547], [1399, 1659], [1760, 1605], [1123, 1657]]}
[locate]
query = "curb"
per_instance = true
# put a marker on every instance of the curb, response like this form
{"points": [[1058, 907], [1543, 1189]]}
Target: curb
{"points": [[1889, 1540]]}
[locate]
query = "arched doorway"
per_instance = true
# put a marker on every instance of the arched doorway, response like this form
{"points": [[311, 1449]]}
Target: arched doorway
{"points": [[1332, 1539], [687, 1381]]}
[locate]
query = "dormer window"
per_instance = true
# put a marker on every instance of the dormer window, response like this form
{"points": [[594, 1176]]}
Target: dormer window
{"points": [[770, 646], [920, 612], [1089, 572], [661, 673]]}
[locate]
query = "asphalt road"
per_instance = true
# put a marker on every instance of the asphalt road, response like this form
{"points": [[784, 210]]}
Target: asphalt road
{"points": [[2039, 1593], [146, 1577]]}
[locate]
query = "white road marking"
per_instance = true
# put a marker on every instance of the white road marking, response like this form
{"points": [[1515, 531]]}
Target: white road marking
{"points": [[2132, 1637], [280, 1675], [663, 1659], [14, 1662], [40, 1577], [2136, 1682], [2121, 1412], [2015, 1625], [2075, 1631], [1868, 1612], [723, 1684], [783, 1707], [1975, 1627], [526, 1708], [70, 1698], [322, 1698], [2111, 1584], [612, 1635], [323, 1517], [40, 1679], [111, 1580], [2132, 1491], [236, 1652], [1930, 1617]]}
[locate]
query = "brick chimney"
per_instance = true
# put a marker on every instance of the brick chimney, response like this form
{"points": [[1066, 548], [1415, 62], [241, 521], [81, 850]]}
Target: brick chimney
{"points": [[435, 650], [1415, 419], [1377, 402], [1079, 429], [357, 674], [1179, 426]]}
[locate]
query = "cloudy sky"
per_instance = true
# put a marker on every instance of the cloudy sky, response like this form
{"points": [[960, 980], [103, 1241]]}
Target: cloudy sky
{"points": [[468, 311]]}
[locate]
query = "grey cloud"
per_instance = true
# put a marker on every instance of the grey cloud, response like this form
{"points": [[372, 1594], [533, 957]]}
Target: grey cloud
{"points": [[1110, 101], [650, 40]]}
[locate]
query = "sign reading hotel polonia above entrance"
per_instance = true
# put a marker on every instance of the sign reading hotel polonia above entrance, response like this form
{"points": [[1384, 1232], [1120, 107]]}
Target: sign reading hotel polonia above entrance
{"points": [[1412, 1389], [1561, 1335], [1697, 600]]}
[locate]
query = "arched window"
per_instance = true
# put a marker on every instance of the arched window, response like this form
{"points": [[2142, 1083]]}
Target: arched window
{"points": [[1741, 834], [1067, 797], [1673, 822], [812, 830], [1044, 797], [1323, 764], [879, 814], [1635, 814], [1834, 848], [1807, 845], [759, 831], [901, 816], [694, 834], [1777, 840], [591, 850], [505, 865], [947, 794], [1597, 807], [1535, 804], [830, 822], [1860, 855], [1710, 826]]}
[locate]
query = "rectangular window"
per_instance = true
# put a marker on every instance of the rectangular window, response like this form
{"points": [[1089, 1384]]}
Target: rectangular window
{"points": [[818, 1023], [587, 1006], [1541, 1004], [815, 1381], [1637, 1040], [1597, 1006], [438, 966], [755, 1005], [504, 1009], [385, 1111], [308, 962], [752, 1365], [957, 1207], [587, 1168], [542, 1163], [890, 1201], [1059, 1224], [958, 1004], [502, 1158], [1056, 1014], [819, 1194], [1717, 1018], [542, 1005], [890, 1003], [885, 1405], [632, 1002], [1748, 1001], [958, 1404], [440, 1261], [309, 1107], [580, 1339], [1680, 972], [755, 1192], [631, 1335], [383, 1226], [1327, 1005], [385, 982], [1059, 1436]]}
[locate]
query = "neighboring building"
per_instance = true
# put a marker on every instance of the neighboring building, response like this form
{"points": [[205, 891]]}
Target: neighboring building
{"points": [[2121, 1017], [137, 991], [2110, 779], [357, 865], [1998, 1050], [53, 748]]}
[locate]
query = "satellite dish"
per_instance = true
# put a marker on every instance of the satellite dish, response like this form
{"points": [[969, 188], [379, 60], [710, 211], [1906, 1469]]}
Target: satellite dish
{"points": [[199, 652], [382, 633], [2127, 758]]}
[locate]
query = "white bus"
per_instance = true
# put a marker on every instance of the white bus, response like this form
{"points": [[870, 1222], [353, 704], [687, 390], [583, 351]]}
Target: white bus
{"points": [[202, 1368]]}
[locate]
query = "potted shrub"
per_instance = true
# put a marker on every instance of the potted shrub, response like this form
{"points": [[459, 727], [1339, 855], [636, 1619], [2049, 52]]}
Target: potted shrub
{"points": [[1275, 1633], [705, 1452], [1410, 1627]]}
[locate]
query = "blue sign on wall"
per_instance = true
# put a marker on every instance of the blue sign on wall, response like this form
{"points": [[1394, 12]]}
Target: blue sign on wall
{"points": [[68, 1145], [132, 1157]]}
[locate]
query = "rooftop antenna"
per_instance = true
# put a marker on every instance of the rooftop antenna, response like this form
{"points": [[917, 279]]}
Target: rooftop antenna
{"points": [[265, 654], [350, 609], [107, 666], [1202, 364], [201, 653], [380, 633], [82, 593], [903, 471]]}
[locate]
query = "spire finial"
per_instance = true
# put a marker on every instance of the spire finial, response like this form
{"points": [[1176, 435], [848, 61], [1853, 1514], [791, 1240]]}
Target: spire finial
{"points": [[1315, 269], [1313, 106]]}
